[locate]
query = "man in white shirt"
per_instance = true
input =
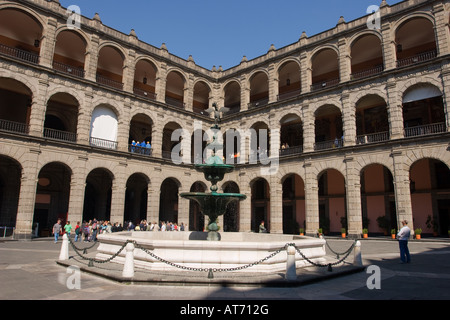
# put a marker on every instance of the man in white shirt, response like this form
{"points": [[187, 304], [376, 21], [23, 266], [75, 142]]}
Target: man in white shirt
{"points": [[403, 237]]}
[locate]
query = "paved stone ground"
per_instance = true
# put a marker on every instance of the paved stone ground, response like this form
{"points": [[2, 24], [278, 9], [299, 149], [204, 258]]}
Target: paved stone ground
{"points": [[28, 271]]}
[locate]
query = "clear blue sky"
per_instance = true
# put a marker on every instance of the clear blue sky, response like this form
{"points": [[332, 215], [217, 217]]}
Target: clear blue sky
{"points": [[221, 32]]}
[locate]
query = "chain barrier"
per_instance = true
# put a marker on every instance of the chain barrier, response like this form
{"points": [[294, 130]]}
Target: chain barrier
{"points": [[211, 271], [340, 254]]}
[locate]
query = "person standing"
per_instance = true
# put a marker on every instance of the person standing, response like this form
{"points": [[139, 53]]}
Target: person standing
{"points": [[262, 228], [68, 228], [78, 232], [57, 229], [403, 238]]}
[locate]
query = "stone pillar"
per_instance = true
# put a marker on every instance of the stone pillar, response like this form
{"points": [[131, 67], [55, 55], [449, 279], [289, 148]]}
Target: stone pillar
{"points": [[245, 93], [129, 69], [273, 84], [395, 110], [388, 43], [92, 59], [38, 108], [445, 76], [276, 205], [123, 129], [27, 196], [183, 209], [349, 120], [305, 73], [118, 195], [160, 85], [344, 61], [77, 190], [245, 209], [154, 195], [157, 136], [308, 129], [402, 189], [311, 200], [48, 43], [353, 199], [188, 94], [441, 29], [84, 119]]}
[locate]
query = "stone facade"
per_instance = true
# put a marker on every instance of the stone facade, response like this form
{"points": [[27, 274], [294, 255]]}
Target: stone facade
{"points": [[260, 102]]}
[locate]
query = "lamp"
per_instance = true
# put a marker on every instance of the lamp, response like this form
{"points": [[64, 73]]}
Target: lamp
{"points": [[37, 43], [144, 80]]}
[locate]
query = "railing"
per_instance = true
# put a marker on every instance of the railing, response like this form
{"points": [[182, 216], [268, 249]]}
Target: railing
{"points": [[175, 103], [417, 58], [60, 135], [145, 94], [14, 126], [425, 130], [367, 73], [75, 71], [102, 143], [324, 145], [258, 103], [291, 151], [324, 84], [140, 150], [109, 82], [20, 54], [287, 95], [373, 138], [5, 233]]}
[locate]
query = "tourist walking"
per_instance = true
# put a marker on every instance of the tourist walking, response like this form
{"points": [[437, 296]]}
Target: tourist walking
{"points": [[57, 229], [78, 232], [68, 228], [403, 237]]}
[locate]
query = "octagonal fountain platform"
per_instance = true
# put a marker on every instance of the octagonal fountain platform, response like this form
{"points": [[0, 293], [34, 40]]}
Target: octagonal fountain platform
{"points": [[192, 250]]}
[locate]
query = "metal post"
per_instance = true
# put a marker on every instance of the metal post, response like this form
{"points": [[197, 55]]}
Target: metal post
{"points": [[128, 268], [64, 254]]}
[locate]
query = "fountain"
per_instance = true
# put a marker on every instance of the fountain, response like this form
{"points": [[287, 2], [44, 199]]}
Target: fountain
{"points": [[211, 249], [214, 204]]}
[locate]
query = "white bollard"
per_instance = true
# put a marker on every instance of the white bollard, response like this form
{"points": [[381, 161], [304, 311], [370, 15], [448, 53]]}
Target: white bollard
{"points": [[291, 271], [128, 268], [357, 258], [64, 254]]}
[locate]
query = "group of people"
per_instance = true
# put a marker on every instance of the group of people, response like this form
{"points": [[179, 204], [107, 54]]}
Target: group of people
{"points": [[141, 147], [153, 226], [86, 230]]}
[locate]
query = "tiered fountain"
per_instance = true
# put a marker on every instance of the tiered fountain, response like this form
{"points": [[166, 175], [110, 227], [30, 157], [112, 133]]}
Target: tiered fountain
{"points": [[190, 249]]}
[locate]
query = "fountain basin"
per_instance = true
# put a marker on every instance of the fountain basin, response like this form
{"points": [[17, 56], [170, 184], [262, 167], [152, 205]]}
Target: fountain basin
{"points": [[191, 250]]}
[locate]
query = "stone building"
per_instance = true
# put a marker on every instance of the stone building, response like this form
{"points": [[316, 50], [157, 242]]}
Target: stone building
{"points": [[357, 116]]}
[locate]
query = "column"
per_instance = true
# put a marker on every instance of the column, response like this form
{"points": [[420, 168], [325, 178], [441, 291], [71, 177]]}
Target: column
{"points": [[445, 76], [48, 44], [276, 205], [311, 200], [395, 110], [38, 108], [77, 190], [27, 196], [92, 59], [344, 61], [441, 29], [308, 129], [153, 199], [245, 209], [118, 195], [123, 130], [273, 84], [245, 93], [305, 71], [402, 189], [129, 69], [349, 120], [84, 119], [388, 43], [353, 199], [160, 85]]}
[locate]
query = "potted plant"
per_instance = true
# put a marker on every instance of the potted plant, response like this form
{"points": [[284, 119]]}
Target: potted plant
{"points": [[383, 224], [302, 231], [432, 224], [418, 233], [365, 233], [319, 231], [393, 233], [343, 232]]}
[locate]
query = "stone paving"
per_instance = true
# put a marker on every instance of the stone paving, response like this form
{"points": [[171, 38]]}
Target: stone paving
{"points": [[29, 271]]}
